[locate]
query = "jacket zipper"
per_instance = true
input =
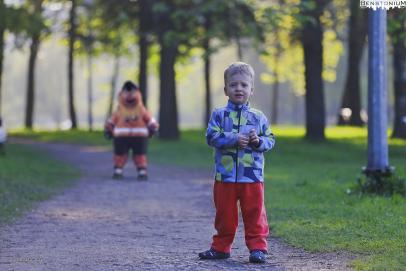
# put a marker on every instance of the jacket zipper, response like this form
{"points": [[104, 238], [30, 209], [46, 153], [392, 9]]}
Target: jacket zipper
{"points": [[238, 131]]}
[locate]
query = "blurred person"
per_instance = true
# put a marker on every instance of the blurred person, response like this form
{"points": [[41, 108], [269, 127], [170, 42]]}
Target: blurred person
{"points": [[240, 135], [130, 126]]}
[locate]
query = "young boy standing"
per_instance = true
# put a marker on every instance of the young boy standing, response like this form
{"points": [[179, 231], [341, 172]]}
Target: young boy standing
{"points": [[240, 135]]}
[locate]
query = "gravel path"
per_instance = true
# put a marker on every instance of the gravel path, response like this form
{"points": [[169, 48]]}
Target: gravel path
{"points": [[104, 224]]}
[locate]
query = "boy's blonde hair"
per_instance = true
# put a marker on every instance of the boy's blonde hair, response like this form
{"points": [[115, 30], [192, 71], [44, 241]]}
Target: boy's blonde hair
{"points": [[241, 68]]}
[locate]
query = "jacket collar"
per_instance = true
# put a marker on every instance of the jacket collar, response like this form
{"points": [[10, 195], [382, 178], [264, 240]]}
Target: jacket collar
{"points": [[233, 106]]}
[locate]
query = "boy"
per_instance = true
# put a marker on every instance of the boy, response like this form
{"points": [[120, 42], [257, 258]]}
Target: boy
{"points": [[130, 126], [240, 135]]}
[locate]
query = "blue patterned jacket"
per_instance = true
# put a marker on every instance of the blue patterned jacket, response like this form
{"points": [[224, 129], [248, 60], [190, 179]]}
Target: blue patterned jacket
{"points": [[231, 163]]}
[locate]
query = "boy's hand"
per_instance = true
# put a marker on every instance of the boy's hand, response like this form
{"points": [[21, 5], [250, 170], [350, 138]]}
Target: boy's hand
{"points": [[242, 141], [253, 139]]}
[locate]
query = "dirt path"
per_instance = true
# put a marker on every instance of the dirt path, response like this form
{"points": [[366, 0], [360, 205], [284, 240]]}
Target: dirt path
{"points": [[103, 224]]}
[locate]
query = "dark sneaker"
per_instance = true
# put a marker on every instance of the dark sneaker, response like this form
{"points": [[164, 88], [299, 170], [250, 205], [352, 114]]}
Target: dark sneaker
{"points": [[142, 175], [118, 173], [212, 254], [257, 256]]}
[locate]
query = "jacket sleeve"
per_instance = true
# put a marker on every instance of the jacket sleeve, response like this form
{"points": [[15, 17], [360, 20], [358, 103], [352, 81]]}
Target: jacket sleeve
{"points": [[266, 137], [215, 135]]}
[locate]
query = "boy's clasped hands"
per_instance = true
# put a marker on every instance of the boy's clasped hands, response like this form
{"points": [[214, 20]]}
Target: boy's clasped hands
{"points": [[251, 139]]}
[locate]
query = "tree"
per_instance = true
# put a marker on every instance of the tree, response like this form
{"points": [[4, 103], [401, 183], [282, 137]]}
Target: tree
{"points": [[169, 42], [397, 29], [176, 27], [282, 51], [224, 21], [275, 45], [145, 27], [115, 34], [16, 20], [350, 113], [72, 39], [35, 7], [86, 40], [312, 41], [137, 16]]}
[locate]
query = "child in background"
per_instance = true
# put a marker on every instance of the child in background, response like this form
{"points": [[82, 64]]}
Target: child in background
{"points": [[130, 126], [240, 136]]}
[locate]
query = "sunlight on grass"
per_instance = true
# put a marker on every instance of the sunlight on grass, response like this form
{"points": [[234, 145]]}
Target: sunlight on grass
{"points": [[346, 132]]}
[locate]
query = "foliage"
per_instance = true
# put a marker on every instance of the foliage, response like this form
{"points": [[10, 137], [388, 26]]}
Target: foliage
{"points": [[22, 20], [226, 21], [28, 176], [381, 184], [106, 28], [282, 52], [396, 25], [192, 23]]}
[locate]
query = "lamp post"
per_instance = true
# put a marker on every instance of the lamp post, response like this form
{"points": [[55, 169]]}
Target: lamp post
{"points": [[378, 162]]}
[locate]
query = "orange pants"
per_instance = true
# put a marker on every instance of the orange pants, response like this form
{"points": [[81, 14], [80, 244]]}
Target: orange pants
{"points": [[251, 197]]}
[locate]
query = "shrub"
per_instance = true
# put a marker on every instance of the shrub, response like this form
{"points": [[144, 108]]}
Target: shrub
{"points": [[380, 183]]}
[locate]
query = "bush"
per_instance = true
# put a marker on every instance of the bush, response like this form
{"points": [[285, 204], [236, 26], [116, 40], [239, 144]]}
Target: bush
{"points": [[380, 183]]}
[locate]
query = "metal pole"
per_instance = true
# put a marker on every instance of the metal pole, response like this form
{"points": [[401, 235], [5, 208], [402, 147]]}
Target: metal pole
{"points": [[377, 94]]}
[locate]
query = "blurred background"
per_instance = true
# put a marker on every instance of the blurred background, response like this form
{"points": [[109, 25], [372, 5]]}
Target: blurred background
{"points": [[63, 62]]}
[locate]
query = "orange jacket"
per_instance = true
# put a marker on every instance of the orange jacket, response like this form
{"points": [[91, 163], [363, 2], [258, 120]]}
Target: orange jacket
{"points": [[131, 117]]}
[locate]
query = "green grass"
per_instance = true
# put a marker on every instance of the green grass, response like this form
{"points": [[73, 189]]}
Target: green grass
{"points": [[74, 137], [28, 176], [306, 195], [309, 207]]}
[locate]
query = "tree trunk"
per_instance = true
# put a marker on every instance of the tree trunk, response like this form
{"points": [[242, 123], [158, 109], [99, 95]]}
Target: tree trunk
{"points": [[168, 113], [399, 66], [207, 63], [30, 98], [312, 38], [89, 90], [275, 87], [275, 96], [143, 47], [352, 98], [114, 78], [143, 80], [72, 38], [239, 48]]}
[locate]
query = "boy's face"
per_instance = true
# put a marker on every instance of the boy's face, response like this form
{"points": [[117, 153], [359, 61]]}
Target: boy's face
{"points": [[238, 88]]}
